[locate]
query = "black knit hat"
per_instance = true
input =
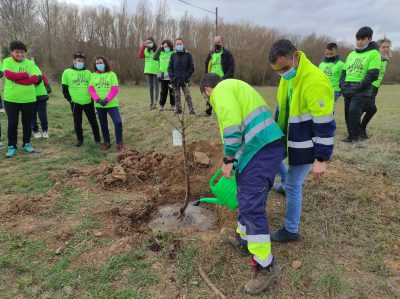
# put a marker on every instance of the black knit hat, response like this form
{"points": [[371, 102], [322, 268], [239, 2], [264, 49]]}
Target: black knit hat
{"points": [[78, 54]]}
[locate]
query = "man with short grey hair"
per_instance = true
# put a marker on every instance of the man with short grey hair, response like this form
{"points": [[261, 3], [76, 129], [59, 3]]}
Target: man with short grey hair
{"points": [[219, 61]]}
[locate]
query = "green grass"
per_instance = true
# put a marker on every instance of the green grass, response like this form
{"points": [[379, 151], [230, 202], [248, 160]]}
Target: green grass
{"points": [[349, 225]]}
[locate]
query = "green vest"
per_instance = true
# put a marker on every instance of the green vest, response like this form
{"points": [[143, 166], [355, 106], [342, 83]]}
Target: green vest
{"points": [[151, 66], [358, 64], [40, 89], [102, 83], [382, 71], [164, 61], [78, 84], [18, 93], [333, 70], [216, 65]]}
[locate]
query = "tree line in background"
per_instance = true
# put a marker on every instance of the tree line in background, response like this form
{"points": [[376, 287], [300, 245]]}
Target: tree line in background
{"points": [[53, 30]]}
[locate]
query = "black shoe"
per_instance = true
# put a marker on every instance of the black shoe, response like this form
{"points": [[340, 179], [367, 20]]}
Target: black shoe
{"points": [[78, 143], [349, 139], [364, 134], [178, 112], [284, 236], [192, 113]]}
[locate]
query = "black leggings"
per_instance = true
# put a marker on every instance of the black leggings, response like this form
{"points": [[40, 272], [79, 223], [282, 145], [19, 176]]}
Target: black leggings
{"points": [[13, 110], [77, 111], [369, 109]]}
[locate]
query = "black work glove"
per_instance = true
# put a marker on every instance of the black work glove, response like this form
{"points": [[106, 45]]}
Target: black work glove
{"points": [[103, 102]]}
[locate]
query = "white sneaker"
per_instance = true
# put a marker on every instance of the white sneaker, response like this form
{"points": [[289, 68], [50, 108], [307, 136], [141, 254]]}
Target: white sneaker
{"points": [[2, 110], [37, 135], [45, 134]]}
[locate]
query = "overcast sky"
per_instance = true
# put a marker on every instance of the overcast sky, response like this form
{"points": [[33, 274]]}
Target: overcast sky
{"points": [[339, 19]]}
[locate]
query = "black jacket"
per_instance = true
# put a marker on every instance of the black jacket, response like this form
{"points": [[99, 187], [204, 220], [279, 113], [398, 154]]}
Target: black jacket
{"points": [[227, 61], [180, 68], [363, 88]]}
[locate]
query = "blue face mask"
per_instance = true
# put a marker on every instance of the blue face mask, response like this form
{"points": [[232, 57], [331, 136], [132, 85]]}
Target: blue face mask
{"points": [[179, 48], [290, 74], [101, 67], [167, 49], [79, 65]]}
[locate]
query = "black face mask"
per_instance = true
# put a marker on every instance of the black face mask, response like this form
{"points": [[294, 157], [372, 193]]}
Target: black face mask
{"points": [[217, 47], [331, 59]]}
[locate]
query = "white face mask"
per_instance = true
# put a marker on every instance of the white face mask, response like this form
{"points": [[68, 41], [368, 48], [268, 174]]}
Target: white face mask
{"points": [[362, 48]]}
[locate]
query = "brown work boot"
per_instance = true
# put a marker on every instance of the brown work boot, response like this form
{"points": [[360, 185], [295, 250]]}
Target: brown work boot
{"points": [[261, 277], [229, 235]]}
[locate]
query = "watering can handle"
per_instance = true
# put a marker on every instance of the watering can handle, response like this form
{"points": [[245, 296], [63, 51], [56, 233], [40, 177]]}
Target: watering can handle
{"points": [[216, 175]]}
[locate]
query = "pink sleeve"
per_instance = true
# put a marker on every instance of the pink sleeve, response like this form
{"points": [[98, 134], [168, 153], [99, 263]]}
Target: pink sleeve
{"points": [[112, 93], [141, 51], [15, 76], [93, 94], [29, 81]]}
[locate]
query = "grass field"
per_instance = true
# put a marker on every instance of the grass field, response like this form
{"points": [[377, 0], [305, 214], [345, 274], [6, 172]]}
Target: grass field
{"points": [[350, 229]]}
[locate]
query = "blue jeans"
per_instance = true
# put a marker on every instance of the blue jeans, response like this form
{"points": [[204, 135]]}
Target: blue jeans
{"points": [[337, 95], [292, 179], [153, 88], [116, 118]]}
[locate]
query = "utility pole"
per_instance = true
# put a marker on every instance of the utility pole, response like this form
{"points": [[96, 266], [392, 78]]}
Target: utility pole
{"points": [[216, 21], [215, 13]]}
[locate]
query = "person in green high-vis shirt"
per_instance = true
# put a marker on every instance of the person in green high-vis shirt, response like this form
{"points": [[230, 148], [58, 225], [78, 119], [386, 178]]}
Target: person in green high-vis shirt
{"points": [[332, 67], [21, 76], [41, 108], [370, 106], [151, 67], [103, 88], [219, 61], [1, 99], [75, 84], [359, 72], [163, 55], [252, 143]]}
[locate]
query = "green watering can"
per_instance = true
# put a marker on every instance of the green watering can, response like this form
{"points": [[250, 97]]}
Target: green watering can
{"points": [[224, 190]]}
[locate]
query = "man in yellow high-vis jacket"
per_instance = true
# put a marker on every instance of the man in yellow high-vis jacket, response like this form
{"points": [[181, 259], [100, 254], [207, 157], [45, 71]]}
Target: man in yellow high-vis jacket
{"points": [[305, 102], [251, 140]]}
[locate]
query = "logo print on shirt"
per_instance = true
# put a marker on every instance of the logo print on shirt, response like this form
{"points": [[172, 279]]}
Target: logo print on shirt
{"points": [[102, 83], [80, 80], [23, 69], [357, 65], [328, 71]]}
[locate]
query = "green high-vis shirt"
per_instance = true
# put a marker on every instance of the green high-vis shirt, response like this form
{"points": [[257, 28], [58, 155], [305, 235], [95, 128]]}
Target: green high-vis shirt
{"points": [[216, 64], [151, 66], [333, 71], [358, 64], [18, 93], [40, 89], [78, 83], [382, 71], [102, 83], [164, 61]]}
